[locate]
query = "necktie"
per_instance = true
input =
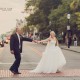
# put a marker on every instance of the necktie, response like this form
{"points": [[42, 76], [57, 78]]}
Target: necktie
{"points": [[19, 41]]}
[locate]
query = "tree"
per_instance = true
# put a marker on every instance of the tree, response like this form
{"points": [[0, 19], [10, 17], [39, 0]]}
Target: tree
{"points": [[52, 14], [74, 5], [78, 19], [43, 9], [58, 16]]}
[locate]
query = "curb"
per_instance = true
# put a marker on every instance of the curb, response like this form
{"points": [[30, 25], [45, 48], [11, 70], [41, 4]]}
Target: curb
{"points": [[70, 50], [67, 49]]}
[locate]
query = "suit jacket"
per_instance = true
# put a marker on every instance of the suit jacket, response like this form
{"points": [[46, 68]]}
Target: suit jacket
{"points": [[14, 43]]}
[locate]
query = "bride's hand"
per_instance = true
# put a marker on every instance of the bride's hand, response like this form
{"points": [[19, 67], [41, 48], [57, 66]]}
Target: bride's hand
{"points": [[39, 41]]}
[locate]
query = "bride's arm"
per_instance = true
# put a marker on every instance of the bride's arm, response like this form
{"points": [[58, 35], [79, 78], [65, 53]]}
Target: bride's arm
{"points": [[46, 40]]}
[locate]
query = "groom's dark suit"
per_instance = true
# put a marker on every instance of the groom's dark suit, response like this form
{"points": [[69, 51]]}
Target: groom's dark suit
{"points": [[16, 46]]}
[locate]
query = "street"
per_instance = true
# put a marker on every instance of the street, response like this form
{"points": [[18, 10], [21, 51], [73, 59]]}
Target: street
{"points": [[31, 55], [34, 20]]}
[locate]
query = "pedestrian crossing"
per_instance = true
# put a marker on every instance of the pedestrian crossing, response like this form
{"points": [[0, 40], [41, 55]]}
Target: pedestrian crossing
{"points": [[26, 73]]}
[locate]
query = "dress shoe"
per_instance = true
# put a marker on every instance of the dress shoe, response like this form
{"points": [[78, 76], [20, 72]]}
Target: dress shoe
{"points": [[13, 71], [18, 73]]}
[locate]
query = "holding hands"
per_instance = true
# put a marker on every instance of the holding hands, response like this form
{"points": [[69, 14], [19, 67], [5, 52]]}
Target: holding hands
{"points": [[36, 41], [39, 42]]}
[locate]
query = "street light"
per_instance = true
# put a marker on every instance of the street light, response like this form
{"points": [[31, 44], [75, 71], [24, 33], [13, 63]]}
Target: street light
{"points": [[68, 17], [68, 29]]}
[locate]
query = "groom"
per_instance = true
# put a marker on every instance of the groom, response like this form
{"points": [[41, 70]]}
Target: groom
{"points": [[16, 41]]}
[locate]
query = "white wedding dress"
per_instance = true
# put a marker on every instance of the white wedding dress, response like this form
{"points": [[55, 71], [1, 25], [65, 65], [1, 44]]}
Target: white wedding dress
{"points": [[52, 59]]}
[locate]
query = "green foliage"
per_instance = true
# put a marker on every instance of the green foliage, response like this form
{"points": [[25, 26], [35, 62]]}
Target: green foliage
{"points": [[74, 5], [54, 11], [78, 19], [40, 16]]}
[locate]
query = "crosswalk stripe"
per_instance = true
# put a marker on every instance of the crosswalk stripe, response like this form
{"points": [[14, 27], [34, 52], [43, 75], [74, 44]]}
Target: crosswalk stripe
{"points": [[26, 73]]}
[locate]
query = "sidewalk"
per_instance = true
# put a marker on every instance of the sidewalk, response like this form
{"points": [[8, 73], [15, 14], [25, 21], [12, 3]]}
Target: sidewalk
{"points": [[72, 48], [44, 78]]}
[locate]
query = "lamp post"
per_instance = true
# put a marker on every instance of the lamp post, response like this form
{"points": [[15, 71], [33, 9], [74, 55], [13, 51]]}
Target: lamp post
{"points": [[68, 17], [68, 30]]}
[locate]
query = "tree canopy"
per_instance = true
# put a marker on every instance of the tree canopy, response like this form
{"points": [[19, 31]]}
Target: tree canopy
{"points": [[52, 14]]}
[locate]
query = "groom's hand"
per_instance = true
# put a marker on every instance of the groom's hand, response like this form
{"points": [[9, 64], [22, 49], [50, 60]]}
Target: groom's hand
{"points": [[35, 41], [12, 52]]}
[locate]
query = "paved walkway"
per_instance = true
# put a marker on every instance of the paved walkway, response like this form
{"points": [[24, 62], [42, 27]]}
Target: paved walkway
{"points": [[26, 73]]}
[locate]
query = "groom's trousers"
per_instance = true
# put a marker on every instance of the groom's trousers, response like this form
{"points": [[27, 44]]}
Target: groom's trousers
{"points": [[16, 63]]}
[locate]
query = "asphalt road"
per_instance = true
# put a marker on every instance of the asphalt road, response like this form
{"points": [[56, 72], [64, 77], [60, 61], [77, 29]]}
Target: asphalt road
{"points": [[31, 56]]}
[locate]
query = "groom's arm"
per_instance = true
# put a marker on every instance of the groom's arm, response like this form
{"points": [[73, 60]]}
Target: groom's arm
{"points": [[27, 39]]}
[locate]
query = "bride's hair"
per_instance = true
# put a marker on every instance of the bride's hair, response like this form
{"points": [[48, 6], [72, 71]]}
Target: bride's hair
{"points": [[52, 32]]}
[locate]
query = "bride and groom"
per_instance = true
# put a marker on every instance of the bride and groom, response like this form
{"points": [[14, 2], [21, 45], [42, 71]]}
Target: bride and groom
{"points": [[52, 59]]}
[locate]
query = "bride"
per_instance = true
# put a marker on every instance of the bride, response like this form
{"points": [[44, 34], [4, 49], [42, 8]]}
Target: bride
{"points": [[52, 59]]}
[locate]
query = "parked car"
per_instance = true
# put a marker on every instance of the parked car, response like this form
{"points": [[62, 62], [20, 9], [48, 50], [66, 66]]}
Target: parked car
{"points": [[1, 42], [5, 40]]}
